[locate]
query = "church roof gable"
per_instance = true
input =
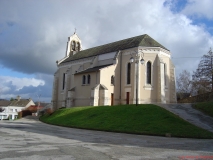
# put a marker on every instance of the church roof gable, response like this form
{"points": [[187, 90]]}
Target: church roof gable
{"points": [[142, 40], [94, 69]]}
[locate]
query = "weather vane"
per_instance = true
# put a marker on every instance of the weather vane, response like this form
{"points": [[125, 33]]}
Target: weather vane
{"points": [[75, 30]]}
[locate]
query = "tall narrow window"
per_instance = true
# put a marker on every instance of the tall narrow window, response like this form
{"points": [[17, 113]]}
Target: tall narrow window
{"points": [[128, 73], [88, 79], [84, 79], [76, 46], [112, 80], [73, 45], [148, 72], [63, 85]]}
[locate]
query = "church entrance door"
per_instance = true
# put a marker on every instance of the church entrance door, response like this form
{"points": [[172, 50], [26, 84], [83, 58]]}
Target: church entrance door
{"points": [[112, 98], [127, 97]]}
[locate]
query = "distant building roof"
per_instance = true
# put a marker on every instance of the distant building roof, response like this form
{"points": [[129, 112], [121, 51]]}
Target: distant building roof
{"points": [[42, 104], [142, 40], [20, 102], [4, 103]]}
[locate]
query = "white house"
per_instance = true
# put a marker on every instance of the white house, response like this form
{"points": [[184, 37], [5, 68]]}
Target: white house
{"points": [[3, 105], [15, 106]]}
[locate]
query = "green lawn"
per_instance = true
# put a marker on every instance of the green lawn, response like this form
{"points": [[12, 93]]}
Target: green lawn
{"points": [[205, 107], [144, 119]]}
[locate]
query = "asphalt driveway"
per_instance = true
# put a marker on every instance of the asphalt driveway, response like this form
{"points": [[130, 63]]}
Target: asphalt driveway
{"points": [[31, 139]]}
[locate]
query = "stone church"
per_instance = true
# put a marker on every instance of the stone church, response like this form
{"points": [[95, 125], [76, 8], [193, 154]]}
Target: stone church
{"points": [[136, 70]]}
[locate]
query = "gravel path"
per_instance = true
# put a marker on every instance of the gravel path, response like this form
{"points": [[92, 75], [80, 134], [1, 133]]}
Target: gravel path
{"points": [[190, 114]]}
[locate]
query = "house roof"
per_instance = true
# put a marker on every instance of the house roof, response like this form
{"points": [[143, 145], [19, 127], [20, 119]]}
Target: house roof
{"points": [[4, 103], [19, 103], [42, 104], [97, 68], [142, 40]]}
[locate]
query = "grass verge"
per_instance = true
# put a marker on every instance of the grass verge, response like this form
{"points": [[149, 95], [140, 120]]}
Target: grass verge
{"points": [[205, 107], [144, 119]]}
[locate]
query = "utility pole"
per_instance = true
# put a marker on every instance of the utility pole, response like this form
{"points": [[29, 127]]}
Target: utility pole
{"points": [[38, 103]]}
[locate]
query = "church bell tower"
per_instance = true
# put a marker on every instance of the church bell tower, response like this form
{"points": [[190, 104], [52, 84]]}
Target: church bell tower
{"points": [[73, 45]]}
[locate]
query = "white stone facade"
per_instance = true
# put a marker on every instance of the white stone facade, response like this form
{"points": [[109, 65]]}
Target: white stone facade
{"points": [[87, 81]]}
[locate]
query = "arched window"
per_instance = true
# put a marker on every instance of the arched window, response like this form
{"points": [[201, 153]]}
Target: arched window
{"points": [[128, 73], [64, 76], [148, 72], [112, 80], [73, 45], [84, 79], [88, 79], [77, 45]]}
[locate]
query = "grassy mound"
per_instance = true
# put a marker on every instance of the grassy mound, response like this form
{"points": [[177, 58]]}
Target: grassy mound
{"points": [[145, 119], [205, 107]]}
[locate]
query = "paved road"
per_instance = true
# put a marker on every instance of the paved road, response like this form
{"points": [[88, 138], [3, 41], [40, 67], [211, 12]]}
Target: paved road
{"points": [[190, 114], [29, 139]]}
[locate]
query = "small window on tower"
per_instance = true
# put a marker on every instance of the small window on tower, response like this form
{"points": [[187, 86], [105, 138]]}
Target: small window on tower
{"points": [[73, 45], [77, 44]]}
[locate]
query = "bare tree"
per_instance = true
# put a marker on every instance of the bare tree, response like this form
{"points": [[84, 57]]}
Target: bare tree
{"points": [[203, 77], [1, 109], [184, 85]]}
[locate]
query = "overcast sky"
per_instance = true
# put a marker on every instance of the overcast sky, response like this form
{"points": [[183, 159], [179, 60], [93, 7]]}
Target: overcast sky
{"points": [[33, 35]]}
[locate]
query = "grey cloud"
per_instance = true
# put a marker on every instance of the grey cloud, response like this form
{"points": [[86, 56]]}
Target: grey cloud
{"points": [[11, 86], [33, 34], [32, 92]]}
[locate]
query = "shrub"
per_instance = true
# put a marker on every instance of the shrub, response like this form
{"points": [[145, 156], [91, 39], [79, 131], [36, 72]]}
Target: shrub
{"points": [[49, 111]]}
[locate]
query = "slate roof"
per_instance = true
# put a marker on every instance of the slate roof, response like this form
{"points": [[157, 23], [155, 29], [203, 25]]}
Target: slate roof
{"points": [[96, 68], [20, 103], [4, 103], [142, 40]]}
